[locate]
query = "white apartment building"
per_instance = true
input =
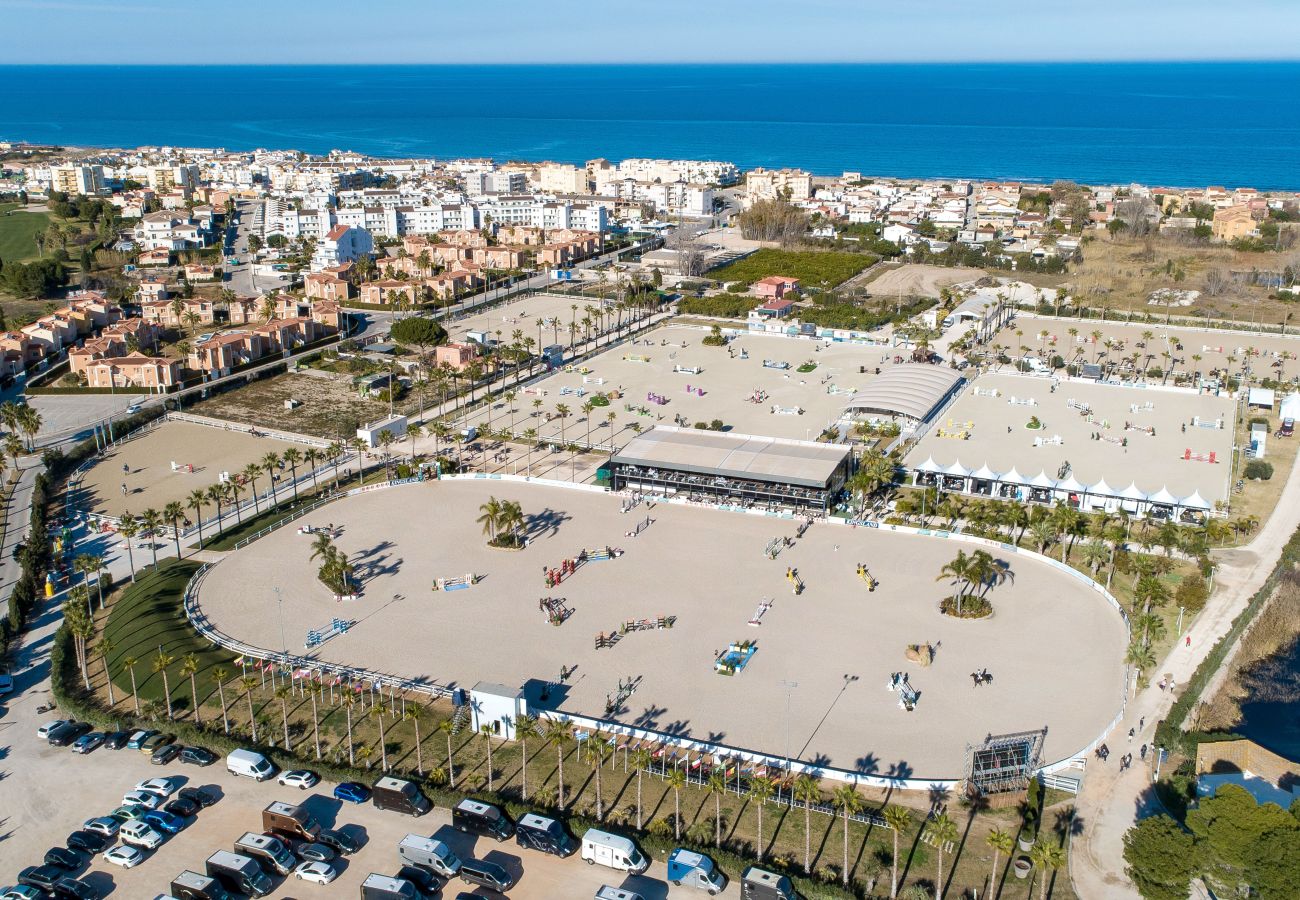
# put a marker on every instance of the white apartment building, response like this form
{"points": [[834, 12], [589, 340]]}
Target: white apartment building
{"points": [[671, 198], [168, 177], [688, 170], [769, 184], [88, 180], [341, 244], [171, 230], [539, 213], [500, 181], [555, 178]]}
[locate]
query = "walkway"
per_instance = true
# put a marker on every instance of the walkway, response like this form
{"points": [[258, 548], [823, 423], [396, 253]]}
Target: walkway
{"points": [[1110, 802]]}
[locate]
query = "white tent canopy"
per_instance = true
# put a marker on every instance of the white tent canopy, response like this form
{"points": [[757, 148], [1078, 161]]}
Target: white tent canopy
{"points": [[1195, 501]]}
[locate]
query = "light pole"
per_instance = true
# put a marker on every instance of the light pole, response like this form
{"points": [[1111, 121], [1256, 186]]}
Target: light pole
{"points": [[279, 602], [789, 689]]}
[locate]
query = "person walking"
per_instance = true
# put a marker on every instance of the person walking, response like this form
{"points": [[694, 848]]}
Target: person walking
{"points": [[1130, 735]]}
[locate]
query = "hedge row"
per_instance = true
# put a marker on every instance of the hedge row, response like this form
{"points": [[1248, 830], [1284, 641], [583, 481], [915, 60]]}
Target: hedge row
{"points": [[34, 558]]}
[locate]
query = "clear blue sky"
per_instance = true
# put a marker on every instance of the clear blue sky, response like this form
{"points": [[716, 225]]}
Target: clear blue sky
{"points": [[457, 31]]}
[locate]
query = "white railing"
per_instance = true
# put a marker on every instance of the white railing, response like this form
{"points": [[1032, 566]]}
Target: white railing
{"points": [[224, 425]]}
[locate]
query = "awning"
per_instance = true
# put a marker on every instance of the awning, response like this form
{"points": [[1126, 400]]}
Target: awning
{"points": [[956, 469], [1101, 487], [1070, 484], [1195, 501], [1163, 496], [1041, 480], [929, 466], [1014, 477], [984, 473], [1133, 492]]}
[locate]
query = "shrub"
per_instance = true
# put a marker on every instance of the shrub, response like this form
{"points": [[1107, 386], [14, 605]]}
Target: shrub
{"points": [[1258, 470], [1258, 420], [971, 607]]}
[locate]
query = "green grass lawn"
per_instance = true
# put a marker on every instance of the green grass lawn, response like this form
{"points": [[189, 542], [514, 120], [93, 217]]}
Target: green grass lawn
{"points": [[811, 267], [16, 234], [148, 615]]}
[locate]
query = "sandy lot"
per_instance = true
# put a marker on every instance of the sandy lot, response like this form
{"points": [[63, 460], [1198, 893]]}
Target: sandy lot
{"points": [[920, 280], [1054, 647], [522, 314], [997, 435], [726, 380], [149, 479]]}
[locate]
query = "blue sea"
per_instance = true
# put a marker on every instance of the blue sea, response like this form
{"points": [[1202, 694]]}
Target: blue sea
{"points": [[1158, 123]]}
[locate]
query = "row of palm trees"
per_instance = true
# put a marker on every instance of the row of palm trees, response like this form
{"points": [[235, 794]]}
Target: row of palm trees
{"points": [[19, 418]]}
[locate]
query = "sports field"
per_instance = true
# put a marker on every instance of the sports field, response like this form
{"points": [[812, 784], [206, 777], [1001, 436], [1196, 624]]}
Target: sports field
{"points": [[1054, 647]]}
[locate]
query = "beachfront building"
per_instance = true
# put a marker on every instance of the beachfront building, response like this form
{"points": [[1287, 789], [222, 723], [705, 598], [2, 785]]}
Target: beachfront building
{"points": [[769, 184], [73, 180], [341, 244], [735, 469]]}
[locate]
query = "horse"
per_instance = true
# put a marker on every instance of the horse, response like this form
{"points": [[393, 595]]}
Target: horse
{"points": [[981, 677]]}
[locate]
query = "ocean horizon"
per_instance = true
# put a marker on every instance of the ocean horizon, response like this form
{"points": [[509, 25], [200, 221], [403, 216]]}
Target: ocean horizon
{"points": [[1158, 123]]}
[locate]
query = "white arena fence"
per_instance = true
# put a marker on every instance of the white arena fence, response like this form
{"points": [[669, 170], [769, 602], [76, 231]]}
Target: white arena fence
{"points": [[721, 753], [287, 436]]}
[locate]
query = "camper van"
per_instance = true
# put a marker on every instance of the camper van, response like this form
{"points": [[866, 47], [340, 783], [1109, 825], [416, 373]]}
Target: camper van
{"points": [[614, 851], [428, 853], [544, 834], [483, 819], [401, 795], [249, 764]]}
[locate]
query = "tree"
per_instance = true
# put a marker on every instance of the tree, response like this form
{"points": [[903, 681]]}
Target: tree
{"points": [[760, 791], [489, 516], [999, 842], [283, 693], [847, 798], [943, 830], [525, 727], [418, 332], [189, 668], [217, 493], [220, 675], [807, 790], [129, 526], [640, 761], [677, 781], [899, 820], [414, 714], [314, 690], [486, 730], [174, 512], [1230, 824], [292, 457], [717, 785], [558, 733], [249, 684], [130, 663], [270, 463], [151, 522], [1046, 857], [349, 699], [105, 647], [160, 664]]}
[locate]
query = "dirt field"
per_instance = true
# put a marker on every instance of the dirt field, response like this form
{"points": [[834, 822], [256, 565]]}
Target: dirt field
{"points": [[919, 281], [1054, 646], [522, 314], [149, 479]]}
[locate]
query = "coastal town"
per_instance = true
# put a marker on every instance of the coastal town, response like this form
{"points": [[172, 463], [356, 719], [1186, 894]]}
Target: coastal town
{"points": [[873, 513]]}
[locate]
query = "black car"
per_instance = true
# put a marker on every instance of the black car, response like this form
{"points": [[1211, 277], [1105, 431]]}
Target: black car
{"points": [[486, 875], [116, 740], [42, 877], [428, 883], [315, 852], [182, 807], [63, 858], [198, 756], [88, 841], [68, 732], [72, 889], [197, 795], [338, 840], [165, 754]]}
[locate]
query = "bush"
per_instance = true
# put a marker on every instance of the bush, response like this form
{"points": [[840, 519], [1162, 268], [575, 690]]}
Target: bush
{"points": [[1258, 470], [1259, 420], [971, 607]]}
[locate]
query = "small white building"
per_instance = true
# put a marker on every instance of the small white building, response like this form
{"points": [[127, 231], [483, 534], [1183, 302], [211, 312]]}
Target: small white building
{"points": [[496, 706], [394, 425]]}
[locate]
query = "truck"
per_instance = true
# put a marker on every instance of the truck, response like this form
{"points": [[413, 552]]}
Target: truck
{"points": [[760, 884], [401, 795], [686, 867], [238, 874], [289, 820], [271, 852], [428, 853], [382, 887], [193, 886], [612, 850]]}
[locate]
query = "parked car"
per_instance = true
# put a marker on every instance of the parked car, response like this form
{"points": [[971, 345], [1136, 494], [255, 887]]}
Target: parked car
{"points": [[147, 799], [154, 741], [203, 798], [63, 858], [313, 852], [125, 856], [180, 806], [486, 875], [42, 877], [299, 778], [352, 792], [139, 737], [88, 841], [139, 833], [316, 872], [129, 811], [198, 756], [162, 787], [339, 841], [116, 740], [105, 825], [428, 883], [21, 892], [165, 754], [68, 732], [71, 889], [164, 821], [44, 731], [6, 683], [88, 743]]}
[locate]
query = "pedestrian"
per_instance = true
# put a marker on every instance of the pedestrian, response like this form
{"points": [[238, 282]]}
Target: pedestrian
{"points": [[1143, 751], [1130, 735], [1142, 723], [1188, 643]]}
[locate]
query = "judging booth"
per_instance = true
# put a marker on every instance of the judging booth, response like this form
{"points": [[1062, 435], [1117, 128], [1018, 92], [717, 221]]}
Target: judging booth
{"points": [[496, 706]]}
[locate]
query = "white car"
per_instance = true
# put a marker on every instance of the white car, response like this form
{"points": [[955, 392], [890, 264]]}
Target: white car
{"points": [[124, 856], [163, 787], [147, 799], [44, 731], [138, 833], [105, 825], [317, 872], [299, 778]]}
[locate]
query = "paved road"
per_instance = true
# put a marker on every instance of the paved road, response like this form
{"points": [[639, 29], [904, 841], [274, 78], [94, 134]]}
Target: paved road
{"points": [[1111, 802]]}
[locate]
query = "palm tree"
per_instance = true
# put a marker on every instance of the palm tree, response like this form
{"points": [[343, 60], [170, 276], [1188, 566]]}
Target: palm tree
{"points": [[489, 516], [249, 684], [597, 748], [221, 675], [486, 731], [943, 830], [283, 693], [129, 526], [196, 501], [677, 781], [189, 668], [413, 714], [760, 791], [717, 785], [333, 453], [446, 728], [807, 790], [958, 570], [1046, 857], [640, 761], [530, 438], [251, 471], [160, 664], [312, 457], [173, 512], [525, 727], [349, 701], [130, 663], [292, 458], [847, 798], [899, 820], [999, 842], [217, 493], [105, 647], [559, 732], [151, 522], [364, 752], [270, 463], [510, 518], [1140, 657], [1044, 533]]}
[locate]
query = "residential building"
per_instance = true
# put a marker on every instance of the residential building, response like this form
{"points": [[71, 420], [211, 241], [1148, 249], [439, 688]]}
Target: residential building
{"points": [[327, 286], [151, 373], [341, 244], [72, 179], [556, 178], [457, 356], [1234, 222], [387, 291], [775, 287], [173, 230], [769, 184]]}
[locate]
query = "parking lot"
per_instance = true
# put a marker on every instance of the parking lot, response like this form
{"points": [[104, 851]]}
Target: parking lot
{"points": [[48, 792]]}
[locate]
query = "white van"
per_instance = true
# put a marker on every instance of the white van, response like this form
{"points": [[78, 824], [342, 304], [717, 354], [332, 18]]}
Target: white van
{"points": [[612, 893], [428, 853], [614, 851], [250, 764]]}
